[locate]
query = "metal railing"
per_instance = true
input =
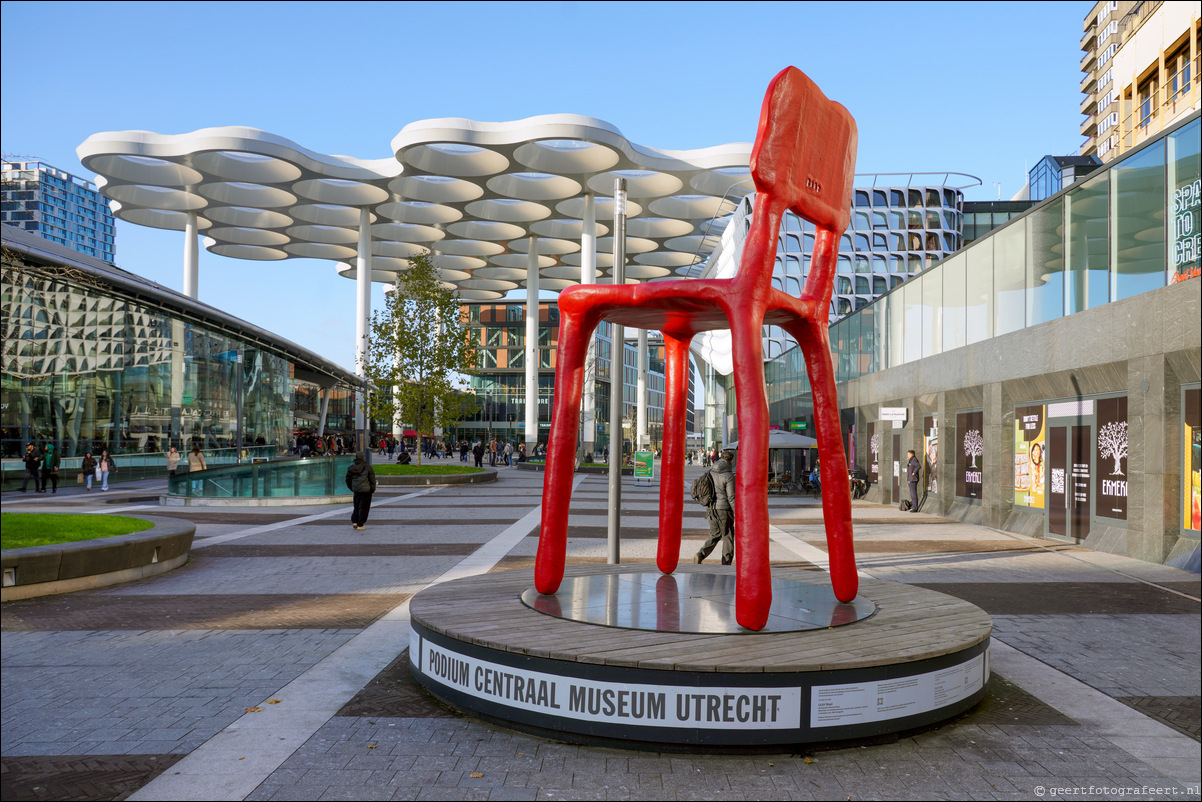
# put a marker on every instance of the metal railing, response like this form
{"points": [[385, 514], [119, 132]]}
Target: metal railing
{"points": [[294, 478]]}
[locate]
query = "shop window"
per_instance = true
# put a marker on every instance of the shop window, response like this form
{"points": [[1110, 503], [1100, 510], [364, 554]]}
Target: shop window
{"points": [[1137, 202]]}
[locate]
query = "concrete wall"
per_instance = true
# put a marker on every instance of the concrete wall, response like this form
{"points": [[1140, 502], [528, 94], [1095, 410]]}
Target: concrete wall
{"points": [[1147, 347]]}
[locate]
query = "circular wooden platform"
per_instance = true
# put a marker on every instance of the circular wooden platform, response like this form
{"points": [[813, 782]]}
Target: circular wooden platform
{"points": [[922, 658]]}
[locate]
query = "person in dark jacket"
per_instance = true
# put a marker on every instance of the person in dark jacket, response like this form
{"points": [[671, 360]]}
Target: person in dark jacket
{"points": [[913, 475], [722, 514], [33, 461], [361, 479], [49, 467], [89, 470]]}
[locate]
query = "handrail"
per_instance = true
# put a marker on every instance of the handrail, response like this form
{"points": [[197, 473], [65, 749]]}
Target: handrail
{"points": [[293, 478]]}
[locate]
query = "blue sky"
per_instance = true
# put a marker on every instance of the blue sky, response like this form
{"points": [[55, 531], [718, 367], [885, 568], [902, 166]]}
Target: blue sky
{"points": [[985, 88]]}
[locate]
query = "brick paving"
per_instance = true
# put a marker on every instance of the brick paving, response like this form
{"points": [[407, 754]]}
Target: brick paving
{"points": [[103, 691]]}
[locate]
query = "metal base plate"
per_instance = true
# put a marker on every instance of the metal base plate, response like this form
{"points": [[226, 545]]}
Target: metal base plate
{"points": [[694, 602]]}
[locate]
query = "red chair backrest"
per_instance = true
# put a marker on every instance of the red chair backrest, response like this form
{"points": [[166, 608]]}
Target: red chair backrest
{"points": [[805, 151]]}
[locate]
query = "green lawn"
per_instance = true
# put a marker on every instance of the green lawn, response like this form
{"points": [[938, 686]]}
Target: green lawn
{"points": [[20, 529], [392, 469]]}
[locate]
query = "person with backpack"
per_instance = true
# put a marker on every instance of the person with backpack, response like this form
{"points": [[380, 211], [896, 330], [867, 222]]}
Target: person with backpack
{"points": [[720, 511], [361, 480]]}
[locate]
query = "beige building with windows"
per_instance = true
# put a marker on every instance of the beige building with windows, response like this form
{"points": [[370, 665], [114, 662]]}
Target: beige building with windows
{"points": [[1140, 68]]}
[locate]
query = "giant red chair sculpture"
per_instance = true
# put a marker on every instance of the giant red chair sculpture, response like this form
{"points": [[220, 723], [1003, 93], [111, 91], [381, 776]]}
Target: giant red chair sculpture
{"points": [[803, 160]]}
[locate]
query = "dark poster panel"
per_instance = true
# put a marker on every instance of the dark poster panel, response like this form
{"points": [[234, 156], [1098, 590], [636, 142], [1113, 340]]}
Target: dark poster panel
{"points": [[1058, 480], [874, 453], [1081, 483], [897, 466], [970, 453], [1111, 462], [930, 447], [1192, 517]]}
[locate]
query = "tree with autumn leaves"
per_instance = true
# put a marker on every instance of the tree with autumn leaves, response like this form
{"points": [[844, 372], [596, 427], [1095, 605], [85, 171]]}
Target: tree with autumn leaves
{"points": [[418, 350]]}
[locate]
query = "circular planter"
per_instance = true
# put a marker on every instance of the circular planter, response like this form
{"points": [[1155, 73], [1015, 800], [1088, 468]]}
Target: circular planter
{"points": [[598, 471], [438, 479], [67, 567]]}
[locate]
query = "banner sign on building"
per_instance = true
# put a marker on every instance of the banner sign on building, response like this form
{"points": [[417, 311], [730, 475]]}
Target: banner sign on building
{"points": [[930, 448], [1185, 252], [970, 454], [1111, 458], [1192, 518], [1030, 446], [874, 453]]}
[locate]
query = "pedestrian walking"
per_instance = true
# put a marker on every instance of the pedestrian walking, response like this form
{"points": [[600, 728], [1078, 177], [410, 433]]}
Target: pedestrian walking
{"points": [[106, 466], [89, 471], [172, 461], [478, 453], [33, 462], [49, 467], [509, 455], [361, 480], [196, 460], [721, 513]]}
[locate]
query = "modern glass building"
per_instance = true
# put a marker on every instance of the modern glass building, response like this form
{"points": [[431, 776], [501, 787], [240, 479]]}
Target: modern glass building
{"points": [[500, 386], [1057, 359], [98, 358], [57, 206], [897, 230]]}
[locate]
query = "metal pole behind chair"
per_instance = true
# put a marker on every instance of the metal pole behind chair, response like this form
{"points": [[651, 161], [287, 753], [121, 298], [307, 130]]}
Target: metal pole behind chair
{"points": [[617, 366]]}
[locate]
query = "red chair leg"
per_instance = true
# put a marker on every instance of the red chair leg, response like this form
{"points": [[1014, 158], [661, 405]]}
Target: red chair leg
{"points": [[671, 478], [574, 333], [814, 339], [753, 595]]}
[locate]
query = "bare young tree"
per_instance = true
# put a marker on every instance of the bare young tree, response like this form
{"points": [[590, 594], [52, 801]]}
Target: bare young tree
{"points": [[974, 446], [1112, 442]]}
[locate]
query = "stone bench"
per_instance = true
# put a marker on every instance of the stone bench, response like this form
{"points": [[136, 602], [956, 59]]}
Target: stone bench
{"points": [[84, 564]]}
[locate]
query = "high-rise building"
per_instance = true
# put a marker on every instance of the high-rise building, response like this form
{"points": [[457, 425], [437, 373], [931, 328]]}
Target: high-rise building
{"points": [[1140, 68], [1100, 41], [57, 206]]}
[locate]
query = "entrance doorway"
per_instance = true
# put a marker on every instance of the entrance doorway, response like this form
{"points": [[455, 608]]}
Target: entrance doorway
{"points": [[1069, 480]]}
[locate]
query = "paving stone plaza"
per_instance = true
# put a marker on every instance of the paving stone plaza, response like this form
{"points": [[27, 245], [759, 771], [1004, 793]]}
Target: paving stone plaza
{"points": [[273, 664]]}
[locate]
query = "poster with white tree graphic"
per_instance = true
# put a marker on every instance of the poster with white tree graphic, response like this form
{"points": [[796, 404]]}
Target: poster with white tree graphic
{"points": [[969, 471], [875, 445], [974, 446], [1112, 444]]}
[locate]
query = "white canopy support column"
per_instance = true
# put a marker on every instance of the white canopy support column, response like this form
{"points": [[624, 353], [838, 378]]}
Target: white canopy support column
{"points": [[532, 347], [641, 438], [191, 257], [588, 275], [362, 313]]}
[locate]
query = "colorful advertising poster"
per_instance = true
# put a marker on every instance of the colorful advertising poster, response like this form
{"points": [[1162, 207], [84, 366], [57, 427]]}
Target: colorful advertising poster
{"points": [[644, 465], [970, 453], [1030, 444], [930, 449], [874, 453], [1193, 460], [1111, 458]]}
